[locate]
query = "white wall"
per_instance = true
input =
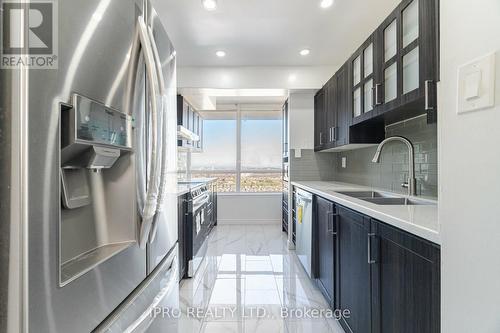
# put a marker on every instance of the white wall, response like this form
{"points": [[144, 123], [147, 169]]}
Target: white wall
{"points": [[301, 115], [469, 175], [249, 208], [307, 77]]}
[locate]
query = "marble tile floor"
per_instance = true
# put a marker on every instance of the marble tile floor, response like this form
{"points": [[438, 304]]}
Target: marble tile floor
{"points": [[246, 280]]}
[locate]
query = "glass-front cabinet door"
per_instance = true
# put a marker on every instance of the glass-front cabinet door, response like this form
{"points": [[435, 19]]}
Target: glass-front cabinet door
{"points": [[390, 62], [362, 83], [408, 38], [410, 51]]}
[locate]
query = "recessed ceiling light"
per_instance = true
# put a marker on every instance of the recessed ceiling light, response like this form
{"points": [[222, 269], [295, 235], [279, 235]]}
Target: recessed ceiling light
{"points": [[209, 4], [326, 3], [305, 52], [220, 54]]}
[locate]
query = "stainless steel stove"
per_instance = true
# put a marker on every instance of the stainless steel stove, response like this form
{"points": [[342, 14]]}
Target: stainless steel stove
{"points": [[199, 225]]}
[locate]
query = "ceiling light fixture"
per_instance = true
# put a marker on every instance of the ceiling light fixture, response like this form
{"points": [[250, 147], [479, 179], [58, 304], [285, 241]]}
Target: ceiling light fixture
{"points": [[305, 52], [326, 3], [220, 54], [209, 4]]}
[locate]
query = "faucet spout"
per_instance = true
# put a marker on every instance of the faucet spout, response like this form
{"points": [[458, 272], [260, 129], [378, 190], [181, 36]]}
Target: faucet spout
{"points": [[411, 160], [376, 158]]}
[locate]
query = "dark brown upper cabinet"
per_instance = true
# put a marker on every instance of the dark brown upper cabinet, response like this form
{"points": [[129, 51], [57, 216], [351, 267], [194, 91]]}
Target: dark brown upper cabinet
{"points": [[189, 118], [408, 61], [391, 77], [363, 77], [333, 116], [320, 127]]}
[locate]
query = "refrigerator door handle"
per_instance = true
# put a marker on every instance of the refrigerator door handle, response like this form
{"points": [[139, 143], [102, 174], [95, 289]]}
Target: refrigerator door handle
{"points": [[164, 128], [151, 200], [156, 56]]}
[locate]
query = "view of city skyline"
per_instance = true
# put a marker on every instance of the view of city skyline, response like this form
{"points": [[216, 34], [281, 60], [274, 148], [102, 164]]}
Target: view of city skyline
{"points": [[260, 151], [260, 145]]}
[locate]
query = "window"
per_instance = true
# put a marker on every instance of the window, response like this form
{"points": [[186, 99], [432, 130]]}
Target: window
{"points": [[260, 151], [245, 158], [218, 158]]}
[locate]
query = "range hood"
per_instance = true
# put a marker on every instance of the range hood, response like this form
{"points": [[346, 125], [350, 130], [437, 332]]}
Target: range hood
{"points": [[185, 134]]}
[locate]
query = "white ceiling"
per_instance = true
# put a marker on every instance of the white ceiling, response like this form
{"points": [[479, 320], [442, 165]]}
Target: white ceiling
{"points": [[270, 32]]}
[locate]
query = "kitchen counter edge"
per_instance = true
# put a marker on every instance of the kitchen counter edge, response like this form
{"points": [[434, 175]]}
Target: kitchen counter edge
{"points": [[392, 215]]}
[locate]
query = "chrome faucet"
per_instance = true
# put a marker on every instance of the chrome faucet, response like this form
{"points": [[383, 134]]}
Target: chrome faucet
{"points": [[410, 184]]}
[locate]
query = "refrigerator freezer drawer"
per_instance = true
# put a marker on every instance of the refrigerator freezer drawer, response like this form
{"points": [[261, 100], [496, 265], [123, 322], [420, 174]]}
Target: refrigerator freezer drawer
{"points": [[143, 310]]}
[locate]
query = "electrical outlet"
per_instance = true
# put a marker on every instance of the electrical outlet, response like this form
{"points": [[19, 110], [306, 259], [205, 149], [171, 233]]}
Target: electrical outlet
{"points": [[344, 162]]}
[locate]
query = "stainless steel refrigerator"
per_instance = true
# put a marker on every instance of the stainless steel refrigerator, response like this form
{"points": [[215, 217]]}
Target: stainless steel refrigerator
{"points": [[88, 186]]}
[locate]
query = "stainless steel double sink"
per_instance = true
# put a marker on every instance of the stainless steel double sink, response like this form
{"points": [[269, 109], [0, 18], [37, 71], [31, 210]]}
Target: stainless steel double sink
{"points": [[386, 199]]}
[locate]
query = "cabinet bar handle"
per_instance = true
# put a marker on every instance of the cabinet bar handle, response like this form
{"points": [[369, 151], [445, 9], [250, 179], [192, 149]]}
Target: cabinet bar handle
{"points": [[370, 260], [377, 94], [428, 107], [330, 222], [374, 99]]}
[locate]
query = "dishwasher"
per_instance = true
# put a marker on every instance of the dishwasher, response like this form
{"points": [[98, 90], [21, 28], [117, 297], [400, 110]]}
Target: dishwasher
{"points": [[303, 216]]}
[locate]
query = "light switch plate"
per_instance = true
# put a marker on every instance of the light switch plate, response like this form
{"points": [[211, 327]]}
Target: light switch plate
{"points": [[476, 84], [344, 162], [298, 153]]}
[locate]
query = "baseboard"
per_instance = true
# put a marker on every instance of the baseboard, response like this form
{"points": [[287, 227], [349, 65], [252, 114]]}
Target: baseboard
{"points": [[247, 221]]}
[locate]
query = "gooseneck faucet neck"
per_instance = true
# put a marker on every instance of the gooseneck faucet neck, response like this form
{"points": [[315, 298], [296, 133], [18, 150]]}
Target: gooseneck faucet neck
{"points": [[411, 160]]}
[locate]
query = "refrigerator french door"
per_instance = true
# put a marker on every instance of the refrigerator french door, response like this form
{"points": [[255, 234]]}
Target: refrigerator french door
{"points": [[164, 232], [81, 232]]}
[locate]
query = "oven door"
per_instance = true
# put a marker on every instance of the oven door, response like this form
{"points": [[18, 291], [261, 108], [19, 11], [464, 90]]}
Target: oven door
{"points": [[201, 229]]}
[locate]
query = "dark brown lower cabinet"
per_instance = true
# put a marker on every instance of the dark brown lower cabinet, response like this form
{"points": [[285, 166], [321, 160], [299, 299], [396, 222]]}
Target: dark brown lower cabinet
{"points": [[405, 283], [387, 278], [354, 294], [326, 229]]}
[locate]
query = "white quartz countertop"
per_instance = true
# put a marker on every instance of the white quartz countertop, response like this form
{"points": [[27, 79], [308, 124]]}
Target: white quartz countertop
{"points": [[420, 220], [185, 186]]}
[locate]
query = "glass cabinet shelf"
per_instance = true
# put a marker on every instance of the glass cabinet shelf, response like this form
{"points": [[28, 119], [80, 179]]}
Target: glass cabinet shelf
{"points": [[391, 82], [410, 23], [357, 102], [368, 100], [368, 60], [390, 41], [357, 70], [410, 71]]}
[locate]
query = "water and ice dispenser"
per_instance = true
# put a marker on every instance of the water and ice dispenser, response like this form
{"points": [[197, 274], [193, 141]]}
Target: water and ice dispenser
{"points": [[93, 137], [98, 207]]}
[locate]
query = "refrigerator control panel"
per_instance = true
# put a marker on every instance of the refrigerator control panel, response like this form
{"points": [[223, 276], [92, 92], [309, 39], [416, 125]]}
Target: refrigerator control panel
{"points": [[97, 123]]}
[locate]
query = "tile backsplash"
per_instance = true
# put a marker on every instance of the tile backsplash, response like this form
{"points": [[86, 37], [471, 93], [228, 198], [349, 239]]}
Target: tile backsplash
{"points": [[392, 171], [311, 166]]}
